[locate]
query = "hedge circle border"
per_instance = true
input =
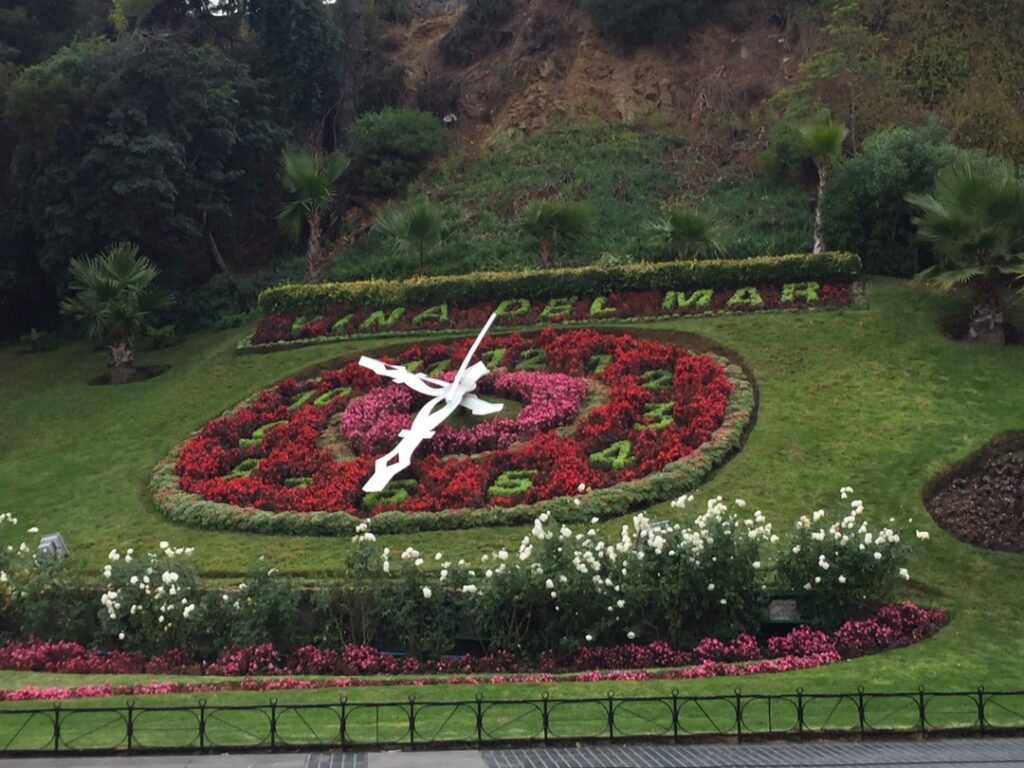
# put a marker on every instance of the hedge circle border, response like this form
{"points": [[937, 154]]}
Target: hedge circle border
{"points": [[676, 478]]}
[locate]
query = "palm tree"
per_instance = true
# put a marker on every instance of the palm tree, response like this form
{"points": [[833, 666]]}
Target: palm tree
{"points": [[552, 223], [975, 220], [311, 177], [418, 228], [823, 140], [115, 298], [683, 235]]}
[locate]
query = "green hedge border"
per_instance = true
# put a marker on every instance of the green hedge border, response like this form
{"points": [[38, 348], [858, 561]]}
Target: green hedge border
{"points": [[593, 280], [675, 479]]}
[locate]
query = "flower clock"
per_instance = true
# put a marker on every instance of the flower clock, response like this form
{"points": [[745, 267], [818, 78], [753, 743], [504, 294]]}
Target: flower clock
{"points": [[485, 431]]}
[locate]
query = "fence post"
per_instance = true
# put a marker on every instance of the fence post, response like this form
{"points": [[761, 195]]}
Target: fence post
{"points": [[56, 727], [343, 722], [412, 722], [922, 718], [202, 724], [675, 716], [273, 723], [860, 710], [981, 710], [800, 712], [479, 721], [739, 715], [544, 714], [130, 731], [611, 716]]}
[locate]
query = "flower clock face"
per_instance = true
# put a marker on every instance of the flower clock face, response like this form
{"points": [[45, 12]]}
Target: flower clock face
{"points": [[585, 414]]}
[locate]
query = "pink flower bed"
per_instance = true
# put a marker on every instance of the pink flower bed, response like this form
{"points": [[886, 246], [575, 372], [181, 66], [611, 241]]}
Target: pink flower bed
{"points": [[371, 423], [893, 626]]}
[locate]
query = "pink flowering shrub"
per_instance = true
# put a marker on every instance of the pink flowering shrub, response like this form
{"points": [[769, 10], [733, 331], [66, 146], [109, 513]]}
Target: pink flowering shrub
{"points": [[893, 626]]}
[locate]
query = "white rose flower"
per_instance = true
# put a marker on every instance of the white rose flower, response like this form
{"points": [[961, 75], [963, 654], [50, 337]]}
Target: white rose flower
{"points": [[427, 593]]}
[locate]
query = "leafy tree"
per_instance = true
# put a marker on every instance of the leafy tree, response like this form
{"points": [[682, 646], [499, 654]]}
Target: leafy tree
{"points": [[389, 148], [683, 235], [865, 207], [975, 222], [138, 139], [299, 53], [418, 229], [553, 223], [311, 178], [116, 300], [823, 140], [642, 20]]}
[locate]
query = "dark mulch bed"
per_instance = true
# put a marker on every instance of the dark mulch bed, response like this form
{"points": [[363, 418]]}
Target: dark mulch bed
{"points": [[142, 373], [981, 501], [957, 327]]}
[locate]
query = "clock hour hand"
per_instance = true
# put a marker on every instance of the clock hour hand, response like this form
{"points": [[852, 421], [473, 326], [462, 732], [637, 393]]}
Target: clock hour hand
{"points": [[401, 375], [423, 426]]}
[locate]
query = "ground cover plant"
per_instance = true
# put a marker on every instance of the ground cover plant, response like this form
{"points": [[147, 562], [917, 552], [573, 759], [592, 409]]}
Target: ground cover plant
{"points": [[903, 392]]}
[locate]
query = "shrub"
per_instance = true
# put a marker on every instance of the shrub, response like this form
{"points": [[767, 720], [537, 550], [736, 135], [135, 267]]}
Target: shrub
{"points": [[843, 562], [268, 609], [149, 601], [296, 300], [865, 207], [389, 148], [553, 223], [683, 235], [476, 32], [642, 20]]}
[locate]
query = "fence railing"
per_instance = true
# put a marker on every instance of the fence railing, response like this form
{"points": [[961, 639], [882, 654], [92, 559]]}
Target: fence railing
{"points": [[358, 725]]}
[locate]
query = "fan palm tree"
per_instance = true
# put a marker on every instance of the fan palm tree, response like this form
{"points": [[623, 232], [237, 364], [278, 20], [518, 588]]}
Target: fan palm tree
{"points": [[311, 178], [552, 223], [975, 221], [823, 140], [683, 235], [418, 229], [116, 300]]}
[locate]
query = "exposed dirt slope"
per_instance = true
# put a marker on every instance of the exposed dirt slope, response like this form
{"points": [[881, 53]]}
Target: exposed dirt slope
{"points": [[556, 65]]}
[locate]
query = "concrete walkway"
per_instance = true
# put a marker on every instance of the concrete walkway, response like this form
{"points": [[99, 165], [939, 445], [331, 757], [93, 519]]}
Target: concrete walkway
{"points": [[951, 753]]}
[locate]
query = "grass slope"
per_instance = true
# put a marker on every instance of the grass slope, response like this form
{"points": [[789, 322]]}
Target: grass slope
{"points": [[877, 399]]}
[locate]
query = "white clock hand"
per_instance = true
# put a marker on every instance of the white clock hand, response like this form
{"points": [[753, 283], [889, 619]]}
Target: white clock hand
{"points": [[423, 426], [453, 391]]}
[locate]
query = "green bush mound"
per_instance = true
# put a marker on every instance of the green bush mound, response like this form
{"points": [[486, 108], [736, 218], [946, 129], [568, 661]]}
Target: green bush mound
{"points": [[391, 147], [574, 281]]}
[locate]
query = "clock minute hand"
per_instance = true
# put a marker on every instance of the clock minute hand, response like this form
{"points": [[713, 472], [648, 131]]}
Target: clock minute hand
{"points": [[456, 391]]}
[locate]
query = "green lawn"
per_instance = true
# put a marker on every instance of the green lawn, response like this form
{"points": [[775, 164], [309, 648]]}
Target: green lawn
{"points": [[877, 399]]}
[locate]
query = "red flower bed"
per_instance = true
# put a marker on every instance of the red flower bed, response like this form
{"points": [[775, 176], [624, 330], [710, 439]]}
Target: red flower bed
{"points": [[275, 453], [893, 626]]}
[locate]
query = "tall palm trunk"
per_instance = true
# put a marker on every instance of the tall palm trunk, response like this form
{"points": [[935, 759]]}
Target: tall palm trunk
{"points": [[819, 219], [121, 361], [316, 264], [987, 322], [545, 254]]}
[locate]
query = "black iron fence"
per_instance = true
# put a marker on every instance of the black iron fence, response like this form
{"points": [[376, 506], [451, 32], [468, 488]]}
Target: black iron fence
{"points": [[358, 725]]}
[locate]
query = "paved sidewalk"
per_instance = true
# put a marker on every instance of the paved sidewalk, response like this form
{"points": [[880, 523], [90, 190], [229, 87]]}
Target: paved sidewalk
{"points": [[951, 753]]}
